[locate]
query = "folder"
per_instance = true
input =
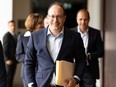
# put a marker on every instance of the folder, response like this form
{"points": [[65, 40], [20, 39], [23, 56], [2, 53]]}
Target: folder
{"points": [[64, 70]]}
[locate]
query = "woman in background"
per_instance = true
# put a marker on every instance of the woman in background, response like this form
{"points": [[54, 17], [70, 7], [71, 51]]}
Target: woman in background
{"points": [[33, 22]]}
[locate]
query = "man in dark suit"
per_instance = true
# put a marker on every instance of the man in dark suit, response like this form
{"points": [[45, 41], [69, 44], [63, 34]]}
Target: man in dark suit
{"points": [[2, 68], [94, 48], [50, 44], [9, 47]]}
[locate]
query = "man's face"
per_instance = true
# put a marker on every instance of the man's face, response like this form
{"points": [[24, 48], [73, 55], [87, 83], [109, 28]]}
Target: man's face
{"points": [[82, 20], [11, 26], [56, 17]]}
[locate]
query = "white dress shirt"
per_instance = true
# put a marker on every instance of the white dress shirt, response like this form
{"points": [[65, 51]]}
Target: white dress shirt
{"points": [[85, 38], [54, 45]]}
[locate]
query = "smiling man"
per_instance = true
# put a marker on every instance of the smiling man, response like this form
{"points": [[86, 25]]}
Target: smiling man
{"points": [[50, 44]]}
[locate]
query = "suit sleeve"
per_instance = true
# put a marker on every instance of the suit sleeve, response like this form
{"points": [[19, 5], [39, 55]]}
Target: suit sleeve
{"points": [[30, 61], [80, 57], [98, 47], [6, 46], [20, 54]]}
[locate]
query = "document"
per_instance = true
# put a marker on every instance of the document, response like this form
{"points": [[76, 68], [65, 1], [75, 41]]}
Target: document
{"points": [[64, 70]]}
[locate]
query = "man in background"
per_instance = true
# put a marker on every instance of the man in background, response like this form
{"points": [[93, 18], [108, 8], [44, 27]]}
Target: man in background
{"points": [[9, 47], [94, 48]]}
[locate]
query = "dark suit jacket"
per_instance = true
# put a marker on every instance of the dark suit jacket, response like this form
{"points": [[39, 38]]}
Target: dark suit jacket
{"points": [[2, 68], [38, 56], [9, 46], [21, 50], [21, 47], [95, 48]]}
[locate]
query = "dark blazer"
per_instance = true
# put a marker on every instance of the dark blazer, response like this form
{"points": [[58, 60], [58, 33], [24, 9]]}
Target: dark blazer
{"points": [[2, 68], [38, 56], [9, 46], [21, 49], [21, 52], [95, 48]]}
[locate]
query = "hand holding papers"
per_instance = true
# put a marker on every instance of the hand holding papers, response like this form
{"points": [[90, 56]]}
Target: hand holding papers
{"points": [[64, 70]]}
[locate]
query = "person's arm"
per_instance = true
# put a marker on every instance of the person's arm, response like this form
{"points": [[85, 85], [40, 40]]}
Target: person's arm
{"points": [[80, 58], [98, 47], [6, 46], [20, 54], [30, 62], [80, 61]]}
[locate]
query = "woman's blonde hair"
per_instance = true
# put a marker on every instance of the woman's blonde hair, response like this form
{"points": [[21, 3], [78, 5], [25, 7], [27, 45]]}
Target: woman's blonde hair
{"points": [[33, 20]]}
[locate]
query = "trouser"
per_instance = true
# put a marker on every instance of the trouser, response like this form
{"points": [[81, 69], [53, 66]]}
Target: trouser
{"points": [[10, 74], [88, 80]]}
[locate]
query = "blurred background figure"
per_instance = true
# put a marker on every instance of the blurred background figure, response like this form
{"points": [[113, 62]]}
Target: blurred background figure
{"points": [[33, 22], [9, 47], [94, 48], [2, 68], [45, 22]]}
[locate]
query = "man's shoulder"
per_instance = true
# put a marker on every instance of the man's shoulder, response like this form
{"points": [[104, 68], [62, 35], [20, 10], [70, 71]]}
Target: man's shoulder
{"points": [[39, 33], [7, 34], [21, 34], [72, 32], [74, 27], [94, 29]]}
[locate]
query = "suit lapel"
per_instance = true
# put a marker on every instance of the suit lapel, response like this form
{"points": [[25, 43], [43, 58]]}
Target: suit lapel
{"points": [[65, 42], [44, 45], [90, 38]]}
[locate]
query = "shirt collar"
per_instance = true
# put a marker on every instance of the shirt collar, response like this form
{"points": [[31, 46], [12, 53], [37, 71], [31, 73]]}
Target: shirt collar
{"points": [[27, 33], [11, 32], [49, 32], [81, 32]]}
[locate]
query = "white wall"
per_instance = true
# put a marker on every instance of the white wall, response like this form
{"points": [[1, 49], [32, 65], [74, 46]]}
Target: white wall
{"points": [[95, 7], [6, 8]]}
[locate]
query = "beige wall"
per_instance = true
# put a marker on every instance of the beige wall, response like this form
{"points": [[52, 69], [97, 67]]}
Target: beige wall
{"points": [[21, 8], [110, 43], [95, 7]]}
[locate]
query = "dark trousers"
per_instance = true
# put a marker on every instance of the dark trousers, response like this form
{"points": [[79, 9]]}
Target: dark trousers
{"points": [[23, 75], [10, 74], [88, 80]]}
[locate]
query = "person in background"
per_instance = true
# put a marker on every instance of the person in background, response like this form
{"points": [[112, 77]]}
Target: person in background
{"points": [[33, 22], [9, 48], [3, 79], [50, 44], [94, 48], [45, 21]]}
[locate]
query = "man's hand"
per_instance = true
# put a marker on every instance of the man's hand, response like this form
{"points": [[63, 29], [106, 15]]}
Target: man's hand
{"points": [[71, 82], [9, 62]]}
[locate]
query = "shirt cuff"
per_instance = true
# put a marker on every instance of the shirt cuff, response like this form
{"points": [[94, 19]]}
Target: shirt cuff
{"points": [[76, 77], [89, 56], [30, 84]]}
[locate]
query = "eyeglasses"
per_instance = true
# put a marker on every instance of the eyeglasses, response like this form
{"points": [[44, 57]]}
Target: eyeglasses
{"points": [[59, 17]]}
